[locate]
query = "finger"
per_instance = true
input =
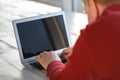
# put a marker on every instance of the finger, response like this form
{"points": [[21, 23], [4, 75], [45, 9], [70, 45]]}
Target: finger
{"points": [[43, 53], [38, 58], [51, 52], [65, 57], [63, 54], [66, 51]]}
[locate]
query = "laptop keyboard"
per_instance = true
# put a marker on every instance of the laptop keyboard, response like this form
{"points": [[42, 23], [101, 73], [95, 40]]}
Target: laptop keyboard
{"points": [[37, 65], [63, 59]]}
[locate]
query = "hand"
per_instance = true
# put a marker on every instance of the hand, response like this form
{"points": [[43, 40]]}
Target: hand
{"points": [[45, 58], [66, 52]]}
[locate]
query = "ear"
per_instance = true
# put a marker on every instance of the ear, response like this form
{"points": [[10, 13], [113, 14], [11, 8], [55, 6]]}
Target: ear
{"points": [[91, 11], [92, 4], [94, 7]]}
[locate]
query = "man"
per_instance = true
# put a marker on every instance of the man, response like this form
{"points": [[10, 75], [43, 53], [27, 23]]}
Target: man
{"points": [[96, 53]]}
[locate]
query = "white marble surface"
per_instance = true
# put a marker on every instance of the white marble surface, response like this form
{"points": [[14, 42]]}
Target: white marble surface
{"points": [[10, 65]]}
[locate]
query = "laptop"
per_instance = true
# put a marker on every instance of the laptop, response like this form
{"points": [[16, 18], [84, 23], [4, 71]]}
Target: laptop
{"points": [[41, 33]]}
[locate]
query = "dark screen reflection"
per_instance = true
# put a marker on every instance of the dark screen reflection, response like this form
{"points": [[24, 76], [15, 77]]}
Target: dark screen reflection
{"points": [[42, 35]]}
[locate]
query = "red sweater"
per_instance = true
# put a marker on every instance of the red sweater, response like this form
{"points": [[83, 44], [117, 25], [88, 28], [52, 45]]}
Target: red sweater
{"points": [[96, 54]]}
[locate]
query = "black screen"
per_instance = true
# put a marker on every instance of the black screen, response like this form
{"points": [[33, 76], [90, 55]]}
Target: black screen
{"points": [[41, 35]]}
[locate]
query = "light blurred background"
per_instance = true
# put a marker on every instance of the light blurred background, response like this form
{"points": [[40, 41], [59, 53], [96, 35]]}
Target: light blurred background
{"points": [[16, 9]]}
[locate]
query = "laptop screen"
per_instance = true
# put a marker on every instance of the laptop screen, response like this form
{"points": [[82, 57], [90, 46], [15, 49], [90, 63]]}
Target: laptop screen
{"points": [[42, 35]]}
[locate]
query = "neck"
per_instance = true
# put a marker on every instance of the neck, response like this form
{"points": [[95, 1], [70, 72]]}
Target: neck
{"points": [[101, 8]]}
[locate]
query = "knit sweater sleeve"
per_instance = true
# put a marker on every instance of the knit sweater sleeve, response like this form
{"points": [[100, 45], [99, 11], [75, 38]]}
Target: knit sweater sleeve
{"points": [[79, 64]]}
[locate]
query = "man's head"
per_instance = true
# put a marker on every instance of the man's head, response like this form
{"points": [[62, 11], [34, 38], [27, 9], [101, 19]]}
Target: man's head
{"points": [[94, 8]]}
